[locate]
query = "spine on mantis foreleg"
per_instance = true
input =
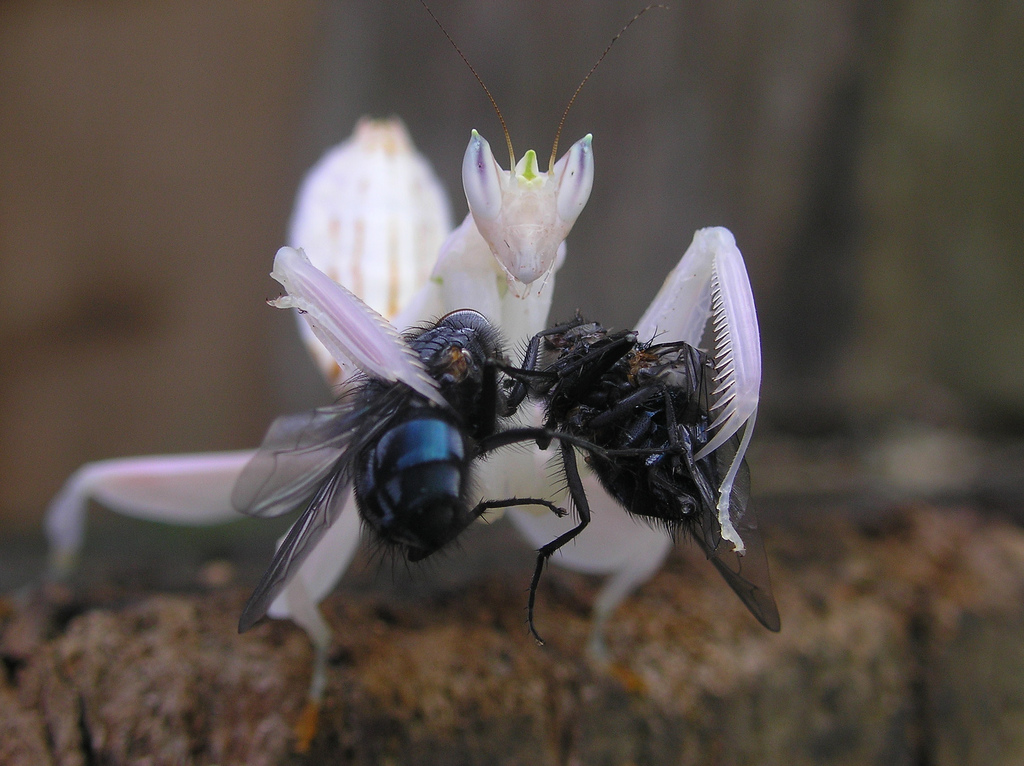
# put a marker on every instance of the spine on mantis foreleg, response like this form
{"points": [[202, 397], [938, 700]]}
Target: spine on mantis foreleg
{"points": [[710, 284], [737, 367], [737, 342]]}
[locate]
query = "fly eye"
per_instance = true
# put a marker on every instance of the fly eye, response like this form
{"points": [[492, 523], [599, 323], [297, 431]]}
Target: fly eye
{"points": [[457, 363]]}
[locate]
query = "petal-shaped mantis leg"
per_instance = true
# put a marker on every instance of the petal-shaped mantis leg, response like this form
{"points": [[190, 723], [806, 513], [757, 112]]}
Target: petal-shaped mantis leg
{"points": [[372, 214], [181, 489], [710, 286]]}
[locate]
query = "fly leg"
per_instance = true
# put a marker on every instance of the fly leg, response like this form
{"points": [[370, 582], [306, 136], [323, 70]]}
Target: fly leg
{"points": [[579, 499], [529, 371], [624, 406], [485, 505]]}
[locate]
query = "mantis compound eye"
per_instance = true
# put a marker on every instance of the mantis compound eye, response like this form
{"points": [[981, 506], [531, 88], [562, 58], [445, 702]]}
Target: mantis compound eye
{"points": [[481, 179], [575, 174]]}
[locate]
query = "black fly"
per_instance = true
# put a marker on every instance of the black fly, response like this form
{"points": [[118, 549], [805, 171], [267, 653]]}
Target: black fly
{"points": [[408, 460], [421, 409], [646, 406]]}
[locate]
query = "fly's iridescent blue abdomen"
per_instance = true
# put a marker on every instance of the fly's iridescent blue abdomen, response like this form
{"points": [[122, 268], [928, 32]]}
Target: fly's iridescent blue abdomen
{"points": [[407, 456], [413, 483]]}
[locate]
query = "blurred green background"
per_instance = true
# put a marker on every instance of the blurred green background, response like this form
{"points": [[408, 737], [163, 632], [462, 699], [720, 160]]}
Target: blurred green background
{"points": [[867, 155]]}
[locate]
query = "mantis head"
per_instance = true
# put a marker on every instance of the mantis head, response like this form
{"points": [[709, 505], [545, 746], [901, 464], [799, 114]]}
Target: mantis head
{"points": [[524, 214]]}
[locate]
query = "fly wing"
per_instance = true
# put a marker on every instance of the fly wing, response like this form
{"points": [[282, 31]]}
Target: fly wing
{"points": [[325, 506], [309, 459], [746, 573], [297, 454], [301, 451], [356, 336]]}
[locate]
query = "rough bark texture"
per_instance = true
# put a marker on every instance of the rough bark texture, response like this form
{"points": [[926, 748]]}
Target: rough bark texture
{"points": [[901, 644]]}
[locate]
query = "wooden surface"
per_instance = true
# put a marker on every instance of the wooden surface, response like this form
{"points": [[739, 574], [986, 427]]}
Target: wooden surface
{"points": [[901, 644]]}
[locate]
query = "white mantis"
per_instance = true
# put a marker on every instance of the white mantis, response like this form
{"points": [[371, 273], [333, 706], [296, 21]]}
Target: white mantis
{"points": [[500, 261]]}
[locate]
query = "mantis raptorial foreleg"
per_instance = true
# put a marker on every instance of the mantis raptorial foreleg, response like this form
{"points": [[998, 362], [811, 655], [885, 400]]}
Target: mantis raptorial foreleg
{"points": [[710, 286]]}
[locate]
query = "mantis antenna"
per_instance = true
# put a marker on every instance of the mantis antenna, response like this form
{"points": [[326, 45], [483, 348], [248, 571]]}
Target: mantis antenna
{"points": [[504, 127], [561, 122]]}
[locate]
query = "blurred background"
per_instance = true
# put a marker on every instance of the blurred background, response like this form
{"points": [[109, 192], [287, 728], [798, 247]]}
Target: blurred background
{"points": [[867, 155]]}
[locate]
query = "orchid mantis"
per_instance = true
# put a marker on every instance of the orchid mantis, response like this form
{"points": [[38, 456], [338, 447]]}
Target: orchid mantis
{"points": [[500, 261], [196, 488]]}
